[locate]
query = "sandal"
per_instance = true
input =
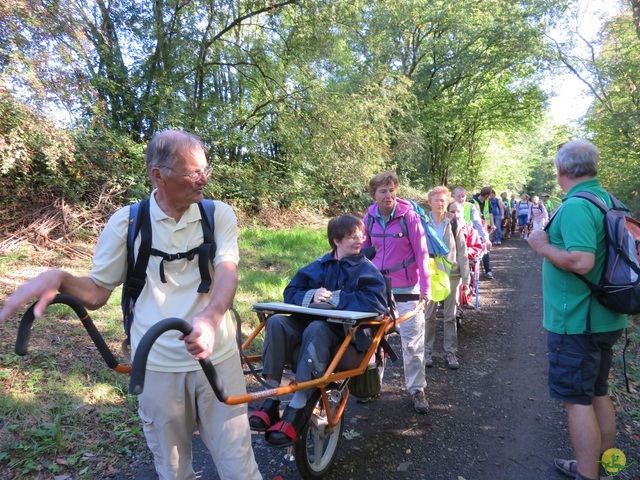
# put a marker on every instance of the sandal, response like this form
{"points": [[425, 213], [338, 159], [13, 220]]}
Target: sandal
{"points": [[288, 430], [568, 467], [267, 416]]}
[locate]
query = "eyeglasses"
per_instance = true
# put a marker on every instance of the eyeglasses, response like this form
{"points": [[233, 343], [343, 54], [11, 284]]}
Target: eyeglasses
{"points": [[357, 236], [194, 176]]}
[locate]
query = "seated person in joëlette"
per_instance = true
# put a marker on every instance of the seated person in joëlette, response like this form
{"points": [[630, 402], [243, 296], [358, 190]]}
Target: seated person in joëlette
{"points": [[343, 279]]}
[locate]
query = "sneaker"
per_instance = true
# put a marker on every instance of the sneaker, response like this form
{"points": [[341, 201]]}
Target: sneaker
{"points": [[525, 236], [428, 359], [420, 403], [490, 275], [452, 361], [498, 243]]}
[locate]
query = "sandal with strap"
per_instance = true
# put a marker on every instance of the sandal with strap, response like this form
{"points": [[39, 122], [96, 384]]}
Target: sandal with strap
{"points": [[568, 467], [266, 417], [288, 430]]}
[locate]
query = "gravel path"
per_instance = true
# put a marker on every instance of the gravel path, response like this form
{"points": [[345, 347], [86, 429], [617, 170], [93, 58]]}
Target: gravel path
{"points": [[490, 420]]}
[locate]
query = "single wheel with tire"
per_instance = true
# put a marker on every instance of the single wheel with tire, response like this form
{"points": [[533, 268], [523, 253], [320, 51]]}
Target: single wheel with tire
{"points": [[318, 445]]}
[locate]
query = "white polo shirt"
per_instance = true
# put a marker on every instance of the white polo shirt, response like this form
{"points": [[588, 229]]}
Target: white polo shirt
{"points": [[178, 297]]}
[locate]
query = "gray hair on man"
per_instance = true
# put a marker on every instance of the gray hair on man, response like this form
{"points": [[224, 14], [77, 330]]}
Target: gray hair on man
{"points": [[165, 147], [578, 158]]}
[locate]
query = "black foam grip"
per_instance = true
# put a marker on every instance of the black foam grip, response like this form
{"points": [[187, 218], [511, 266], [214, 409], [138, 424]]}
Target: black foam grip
{"points": [[138, 372]]}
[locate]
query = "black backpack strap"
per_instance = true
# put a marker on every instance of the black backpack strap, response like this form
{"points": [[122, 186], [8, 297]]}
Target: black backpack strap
{"points": [[403, 227], [206, 251], [135, 283], [169, 257], [400, 266]]}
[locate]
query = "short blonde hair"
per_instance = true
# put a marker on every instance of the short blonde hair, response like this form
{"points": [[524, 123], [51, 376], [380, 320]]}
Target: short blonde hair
{"points": [[438, 191], [382, 180]]}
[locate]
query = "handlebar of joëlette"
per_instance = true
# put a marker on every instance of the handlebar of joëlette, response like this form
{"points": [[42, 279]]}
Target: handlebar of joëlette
{"points": [[24, 332], [138, 372]]}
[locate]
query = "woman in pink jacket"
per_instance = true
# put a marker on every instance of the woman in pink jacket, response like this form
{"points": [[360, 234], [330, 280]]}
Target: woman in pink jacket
{"points": [[401, 254]]}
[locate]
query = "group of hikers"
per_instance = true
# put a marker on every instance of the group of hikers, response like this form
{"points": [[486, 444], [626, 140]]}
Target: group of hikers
{"points": [[526, 214], [177, 396], [401, 239]]}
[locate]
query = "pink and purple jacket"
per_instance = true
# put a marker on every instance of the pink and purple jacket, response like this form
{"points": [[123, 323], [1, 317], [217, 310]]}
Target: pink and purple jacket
{"points": [[395, 249]]}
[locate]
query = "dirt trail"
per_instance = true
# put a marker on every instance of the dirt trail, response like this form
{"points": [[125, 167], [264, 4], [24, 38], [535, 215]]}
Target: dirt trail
{"points": [[490, 420]]}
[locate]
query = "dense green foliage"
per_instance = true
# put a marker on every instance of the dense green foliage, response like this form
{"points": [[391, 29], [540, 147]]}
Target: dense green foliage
{"points": [[615, 118], [300, 102]]}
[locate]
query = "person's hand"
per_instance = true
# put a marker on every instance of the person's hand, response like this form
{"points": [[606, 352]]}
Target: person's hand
{"points": [[322, 295], [538, 239], [488, 245], [44, 288], [201, 340], [426, 297]]}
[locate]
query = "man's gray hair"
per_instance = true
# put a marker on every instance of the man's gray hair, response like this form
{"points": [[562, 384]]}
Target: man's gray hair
{"points": [[164, 148], [578, 158]]}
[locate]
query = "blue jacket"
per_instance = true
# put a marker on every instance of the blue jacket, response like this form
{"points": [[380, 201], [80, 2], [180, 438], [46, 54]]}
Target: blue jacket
{"points": [[359, 284], [355, 281]]}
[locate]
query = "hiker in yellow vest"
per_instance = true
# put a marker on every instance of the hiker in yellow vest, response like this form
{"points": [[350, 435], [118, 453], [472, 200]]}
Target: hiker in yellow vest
{"points": [[482, 201]]}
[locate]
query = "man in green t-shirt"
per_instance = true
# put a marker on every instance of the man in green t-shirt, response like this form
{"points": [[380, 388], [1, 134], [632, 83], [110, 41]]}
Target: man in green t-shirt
{"points": [[580, 331]]}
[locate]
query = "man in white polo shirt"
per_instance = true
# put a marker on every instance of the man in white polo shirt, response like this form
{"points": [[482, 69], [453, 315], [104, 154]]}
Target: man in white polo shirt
{"points": [[177, 396]]}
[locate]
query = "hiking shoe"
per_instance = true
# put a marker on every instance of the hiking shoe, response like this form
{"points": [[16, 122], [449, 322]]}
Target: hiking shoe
{"points": [[420, 403], [452, 361], [490, 275], [428, 359]]}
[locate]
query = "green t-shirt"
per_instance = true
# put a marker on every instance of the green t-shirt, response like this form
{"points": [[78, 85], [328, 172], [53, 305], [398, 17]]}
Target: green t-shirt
{"points": [[578, 226]]}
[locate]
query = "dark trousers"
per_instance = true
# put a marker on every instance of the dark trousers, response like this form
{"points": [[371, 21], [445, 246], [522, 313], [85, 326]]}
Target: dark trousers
{"points": [[486, 262], [311, 340]]}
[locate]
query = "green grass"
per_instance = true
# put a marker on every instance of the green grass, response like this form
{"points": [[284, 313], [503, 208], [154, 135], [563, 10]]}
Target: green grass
{"points": [[268, 260], [63, 411]]}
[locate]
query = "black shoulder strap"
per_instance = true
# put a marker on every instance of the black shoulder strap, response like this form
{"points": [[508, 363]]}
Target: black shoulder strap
{"points": [[140, 220], [134, 282], [206, 251]]}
